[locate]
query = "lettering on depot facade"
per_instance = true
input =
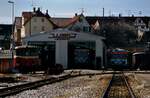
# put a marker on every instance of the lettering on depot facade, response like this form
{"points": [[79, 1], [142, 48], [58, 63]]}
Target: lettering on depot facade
{"points": [[63, 36]]}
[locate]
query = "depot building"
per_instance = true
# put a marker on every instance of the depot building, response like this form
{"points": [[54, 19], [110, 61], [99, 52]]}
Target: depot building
{"points": [[71, 49]]}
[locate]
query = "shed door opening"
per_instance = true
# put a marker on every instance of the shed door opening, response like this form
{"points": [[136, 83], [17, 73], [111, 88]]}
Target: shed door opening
{"points": [[81, 55]]}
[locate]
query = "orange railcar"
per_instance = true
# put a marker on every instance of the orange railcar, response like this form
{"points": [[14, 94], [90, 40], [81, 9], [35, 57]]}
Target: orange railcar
{"points": [[5, 60], [26, 58]]}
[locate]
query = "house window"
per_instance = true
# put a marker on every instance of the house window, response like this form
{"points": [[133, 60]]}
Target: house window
{"points": [[34, 27], [43, 28], [89, 29], [35, 20], [18, 36], [80, 19], [86, 29], [149, 24], [42, 19], [19, 30], [140, 21], [142, 27]]}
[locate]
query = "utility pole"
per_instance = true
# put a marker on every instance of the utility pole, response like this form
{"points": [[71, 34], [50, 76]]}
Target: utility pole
{"points": [[82, 10], [140, 13], [12, 39], [103, 12]]}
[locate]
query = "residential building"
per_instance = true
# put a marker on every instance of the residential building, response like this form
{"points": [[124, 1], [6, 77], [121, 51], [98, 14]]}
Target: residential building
{"points": [[77, 23]]}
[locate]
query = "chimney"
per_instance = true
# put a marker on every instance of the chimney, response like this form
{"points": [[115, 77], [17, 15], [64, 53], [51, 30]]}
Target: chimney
{"points": [[120, 14], [46, 11], [34, 9], [38, 9], [103, 12], [76, 14]]}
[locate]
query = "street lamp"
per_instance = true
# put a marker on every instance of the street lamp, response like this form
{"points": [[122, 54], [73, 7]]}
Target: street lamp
{"points": [[12, 40]]}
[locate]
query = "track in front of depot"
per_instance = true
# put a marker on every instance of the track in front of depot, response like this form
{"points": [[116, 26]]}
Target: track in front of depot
{"points": [[119, 88], [33, 85], [18, 88]]}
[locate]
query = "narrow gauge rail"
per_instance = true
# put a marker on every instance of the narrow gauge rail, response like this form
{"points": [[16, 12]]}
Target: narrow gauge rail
{"points": [[119, 88], [32, 85], [18, 88]]}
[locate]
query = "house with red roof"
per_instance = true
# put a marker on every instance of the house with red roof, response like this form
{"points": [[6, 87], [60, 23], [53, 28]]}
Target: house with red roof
{"points": [[78, 23], [32, 22]]}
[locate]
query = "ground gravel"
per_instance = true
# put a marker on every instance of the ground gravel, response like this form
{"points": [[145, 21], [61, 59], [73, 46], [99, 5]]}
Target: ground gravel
{"points": [[139, 87], [79, 87]]}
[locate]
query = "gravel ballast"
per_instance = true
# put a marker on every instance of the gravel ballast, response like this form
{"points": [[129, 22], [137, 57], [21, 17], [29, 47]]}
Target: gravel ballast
{"points": [[139, 85], [79, 87]]}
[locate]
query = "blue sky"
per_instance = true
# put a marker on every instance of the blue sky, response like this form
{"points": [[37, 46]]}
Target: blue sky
{"points": [[67, 8]]}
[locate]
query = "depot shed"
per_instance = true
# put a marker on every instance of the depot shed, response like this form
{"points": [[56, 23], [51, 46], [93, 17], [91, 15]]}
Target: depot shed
{"points": [[71, 49]]}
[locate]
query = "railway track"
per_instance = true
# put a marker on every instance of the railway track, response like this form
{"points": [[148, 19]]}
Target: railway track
{"points": [[119, 88], [32, 85]]}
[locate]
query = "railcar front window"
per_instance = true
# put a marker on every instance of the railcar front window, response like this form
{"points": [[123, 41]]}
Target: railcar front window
{"points": [[26, 52], [33, 52]]}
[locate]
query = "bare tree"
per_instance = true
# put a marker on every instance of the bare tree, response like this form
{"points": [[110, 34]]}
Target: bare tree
{"points": [[119, 34]]}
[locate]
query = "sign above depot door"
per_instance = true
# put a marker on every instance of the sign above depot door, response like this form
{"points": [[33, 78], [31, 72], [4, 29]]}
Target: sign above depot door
{"points": [[63, 36]]}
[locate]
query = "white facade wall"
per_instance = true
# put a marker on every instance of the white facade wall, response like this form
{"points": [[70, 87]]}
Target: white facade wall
{"points": [[62, 53], [23, 28], [36, 25], [99, 50]]}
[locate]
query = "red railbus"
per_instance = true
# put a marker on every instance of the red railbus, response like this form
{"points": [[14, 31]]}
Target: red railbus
{"points": [[26, 58]]}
